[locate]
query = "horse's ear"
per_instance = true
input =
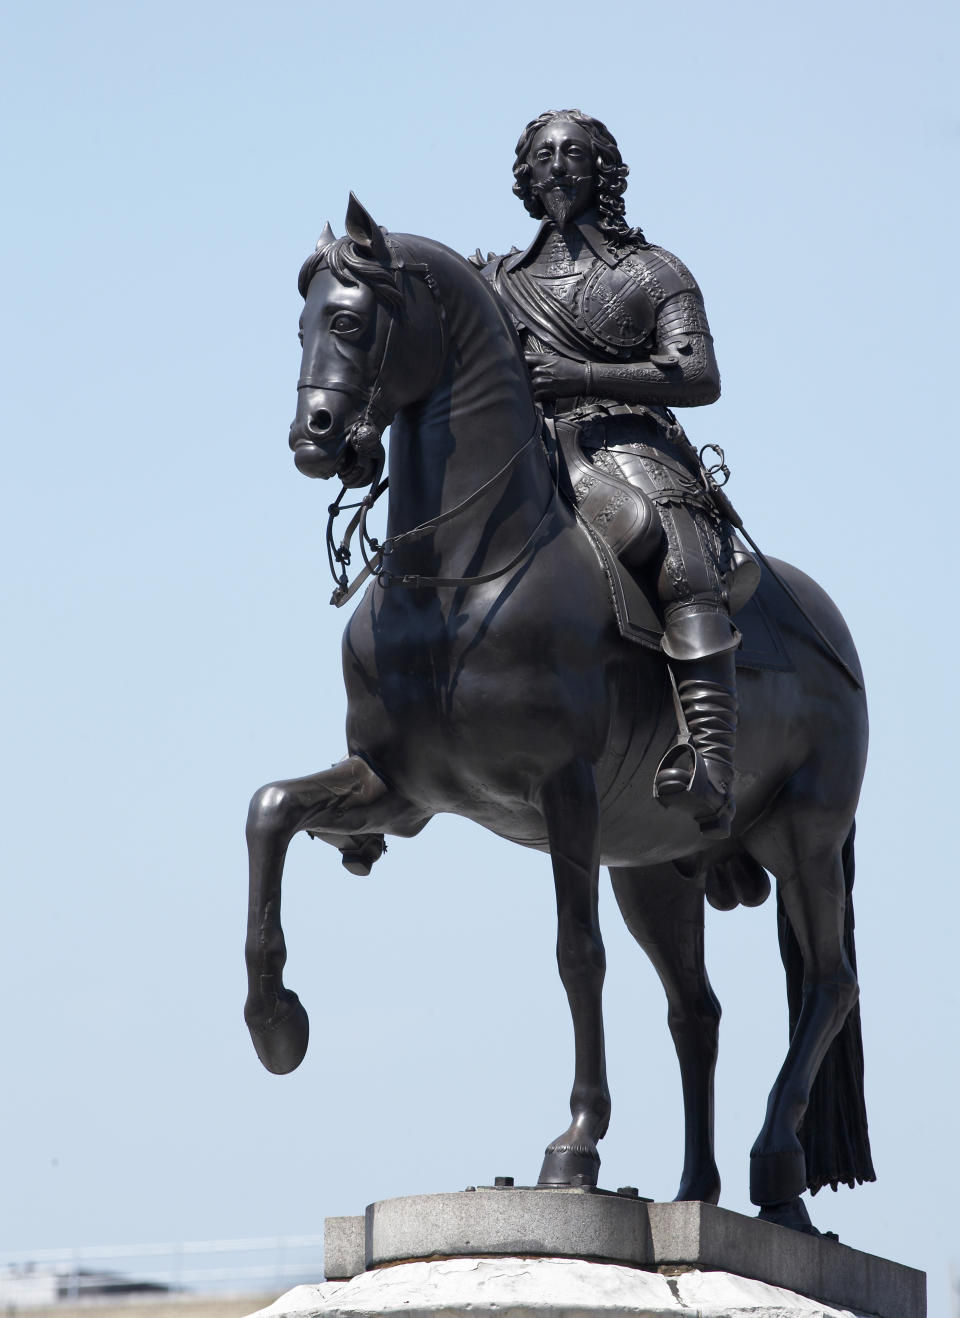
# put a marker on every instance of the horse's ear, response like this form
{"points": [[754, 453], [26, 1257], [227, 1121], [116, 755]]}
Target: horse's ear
{"points": [[366, 234], [326, 239]]}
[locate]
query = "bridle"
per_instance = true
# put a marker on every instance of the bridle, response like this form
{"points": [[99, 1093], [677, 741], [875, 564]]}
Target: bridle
{"points": [[374, 552], [364, 436]]}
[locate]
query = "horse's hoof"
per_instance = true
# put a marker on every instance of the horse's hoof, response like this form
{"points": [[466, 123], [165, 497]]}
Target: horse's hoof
{"points": [[776, 1178], [363, 853], [280, 1029], [704, 1189], [793, 1214], [570, 1164], [359, 852]]}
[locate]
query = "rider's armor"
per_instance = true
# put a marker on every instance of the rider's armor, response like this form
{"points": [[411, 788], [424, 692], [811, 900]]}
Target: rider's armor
{"points": [[634, 315]]}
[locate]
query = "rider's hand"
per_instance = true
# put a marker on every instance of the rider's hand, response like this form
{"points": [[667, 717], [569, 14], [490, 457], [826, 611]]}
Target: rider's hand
{"points": [[555, 377]]}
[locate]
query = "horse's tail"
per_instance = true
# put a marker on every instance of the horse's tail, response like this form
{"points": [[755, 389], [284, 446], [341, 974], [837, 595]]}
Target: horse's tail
{"points": [[834, 1130]]}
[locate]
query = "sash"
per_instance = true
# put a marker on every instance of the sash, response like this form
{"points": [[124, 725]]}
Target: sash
{"points": [[551, 322]]}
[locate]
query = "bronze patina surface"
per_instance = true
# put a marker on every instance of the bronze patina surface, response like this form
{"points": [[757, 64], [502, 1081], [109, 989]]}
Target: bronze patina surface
{"points": [[486, 676]]}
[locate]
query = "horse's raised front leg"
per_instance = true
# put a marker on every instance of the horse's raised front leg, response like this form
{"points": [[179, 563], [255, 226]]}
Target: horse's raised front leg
{"points": [[664, 912], [348, 799], [814, 895], [569, 802]]}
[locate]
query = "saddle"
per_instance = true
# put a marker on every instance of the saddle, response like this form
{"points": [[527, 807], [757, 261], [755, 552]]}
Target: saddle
{"points": [[624, 529]]}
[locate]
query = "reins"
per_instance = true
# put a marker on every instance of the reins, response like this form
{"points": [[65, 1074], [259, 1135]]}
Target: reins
{"points": [[364, 437], [374, 552]]}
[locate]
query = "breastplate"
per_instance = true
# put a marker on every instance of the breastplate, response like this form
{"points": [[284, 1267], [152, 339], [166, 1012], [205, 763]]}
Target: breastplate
{"points": [[616, 304], [561, 266]]}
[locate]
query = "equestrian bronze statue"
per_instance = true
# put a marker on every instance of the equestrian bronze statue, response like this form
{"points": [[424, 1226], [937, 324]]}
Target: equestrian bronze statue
{"points": [[562, 639]]}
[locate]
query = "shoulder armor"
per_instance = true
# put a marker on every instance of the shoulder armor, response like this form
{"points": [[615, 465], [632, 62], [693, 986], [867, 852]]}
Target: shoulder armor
{"points": [[482, 262], [666, 271], [488, 264], [683, 315], [648, 293]]}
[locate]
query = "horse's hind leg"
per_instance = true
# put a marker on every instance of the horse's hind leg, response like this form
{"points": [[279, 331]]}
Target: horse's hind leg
{"points": [[813, 892], [347, 799], [664, 912], [569, 802]]}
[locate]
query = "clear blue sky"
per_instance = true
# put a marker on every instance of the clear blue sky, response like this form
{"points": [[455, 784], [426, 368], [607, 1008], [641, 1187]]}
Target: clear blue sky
{"points": [[168, 645]]}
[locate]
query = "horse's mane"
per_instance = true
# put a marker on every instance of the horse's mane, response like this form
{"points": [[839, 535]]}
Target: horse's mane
{"points": [[351, 268], [469, 308]]}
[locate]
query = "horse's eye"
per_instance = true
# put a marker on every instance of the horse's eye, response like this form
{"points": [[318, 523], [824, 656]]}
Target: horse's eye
{"points": [[343, 322]]}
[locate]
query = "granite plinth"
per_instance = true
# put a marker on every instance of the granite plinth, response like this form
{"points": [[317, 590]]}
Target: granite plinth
{"points": [[544, 1288], [344, 1242], [617, 1229]]}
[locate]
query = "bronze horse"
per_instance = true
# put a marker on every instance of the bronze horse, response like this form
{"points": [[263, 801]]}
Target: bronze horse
{"points": [[486, 677]]}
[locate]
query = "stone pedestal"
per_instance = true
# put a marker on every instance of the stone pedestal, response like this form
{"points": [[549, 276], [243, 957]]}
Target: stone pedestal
{"points": [[571, 1253]]}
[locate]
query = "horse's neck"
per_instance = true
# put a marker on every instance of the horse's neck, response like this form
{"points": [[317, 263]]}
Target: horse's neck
{"points": [[478, 417]]}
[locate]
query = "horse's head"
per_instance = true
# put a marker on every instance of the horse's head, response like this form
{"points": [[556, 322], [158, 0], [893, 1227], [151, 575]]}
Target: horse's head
{"points": [[372, 339]]}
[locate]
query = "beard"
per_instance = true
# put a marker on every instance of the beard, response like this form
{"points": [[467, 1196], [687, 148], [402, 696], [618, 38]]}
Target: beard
{"points": [[558, 202], [564, 200]]}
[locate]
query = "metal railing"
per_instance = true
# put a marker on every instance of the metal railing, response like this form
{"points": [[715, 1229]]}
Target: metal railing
{"points": [[31, 1278]]}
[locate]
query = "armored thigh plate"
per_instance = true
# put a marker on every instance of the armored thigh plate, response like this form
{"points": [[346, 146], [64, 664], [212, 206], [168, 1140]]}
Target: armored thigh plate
{"points": [[622, 514]]}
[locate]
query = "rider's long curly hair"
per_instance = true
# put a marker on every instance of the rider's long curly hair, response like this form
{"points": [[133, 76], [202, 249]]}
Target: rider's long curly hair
{"points": [[611, 174]]}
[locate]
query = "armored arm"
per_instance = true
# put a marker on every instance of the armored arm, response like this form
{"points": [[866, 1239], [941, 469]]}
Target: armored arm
{"points": [[681, 371], [675, 365]]}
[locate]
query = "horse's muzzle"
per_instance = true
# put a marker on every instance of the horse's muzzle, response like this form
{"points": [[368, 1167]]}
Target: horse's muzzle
{"points": [[311, 459], [321, 462], [318, 435]]}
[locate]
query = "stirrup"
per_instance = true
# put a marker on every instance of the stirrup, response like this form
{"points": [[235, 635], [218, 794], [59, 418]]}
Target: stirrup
{"points": [[682, 782]]}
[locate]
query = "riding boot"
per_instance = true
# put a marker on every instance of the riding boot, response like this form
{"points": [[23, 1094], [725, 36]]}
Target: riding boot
{"points": [[696, 774]]}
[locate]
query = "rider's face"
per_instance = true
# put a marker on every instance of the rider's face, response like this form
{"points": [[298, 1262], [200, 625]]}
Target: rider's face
{"points": [[563, 169]]}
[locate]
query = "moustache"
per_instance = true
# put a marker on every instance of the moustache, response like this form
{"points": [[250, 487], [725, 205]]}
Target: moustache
{"points": [[555, 185]]}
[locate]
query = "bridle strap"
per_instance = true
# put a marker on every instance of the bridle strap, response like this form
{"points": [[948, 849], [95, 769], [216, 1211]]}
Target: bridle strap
{"points": [[433, 523], [373, 562], [341, 553], [353, 390], [416, 582]]}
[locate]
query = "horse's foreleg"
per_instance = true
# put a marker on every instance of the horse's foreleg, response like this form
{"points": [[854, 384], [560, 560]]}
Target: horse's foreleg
{"points": [[347, 799], [814, 896], [569, 802], [664, 912]]}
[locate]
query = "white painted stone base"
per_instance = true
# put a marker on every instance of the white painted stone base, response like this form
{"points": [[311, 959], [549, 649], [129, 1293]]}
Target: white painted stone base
{"points": [[542, 1288]]}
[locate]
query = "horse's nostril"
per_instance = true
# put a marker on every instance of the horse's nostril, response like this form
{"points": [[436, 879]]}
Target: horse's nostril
{"points": [[320, 421]]}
